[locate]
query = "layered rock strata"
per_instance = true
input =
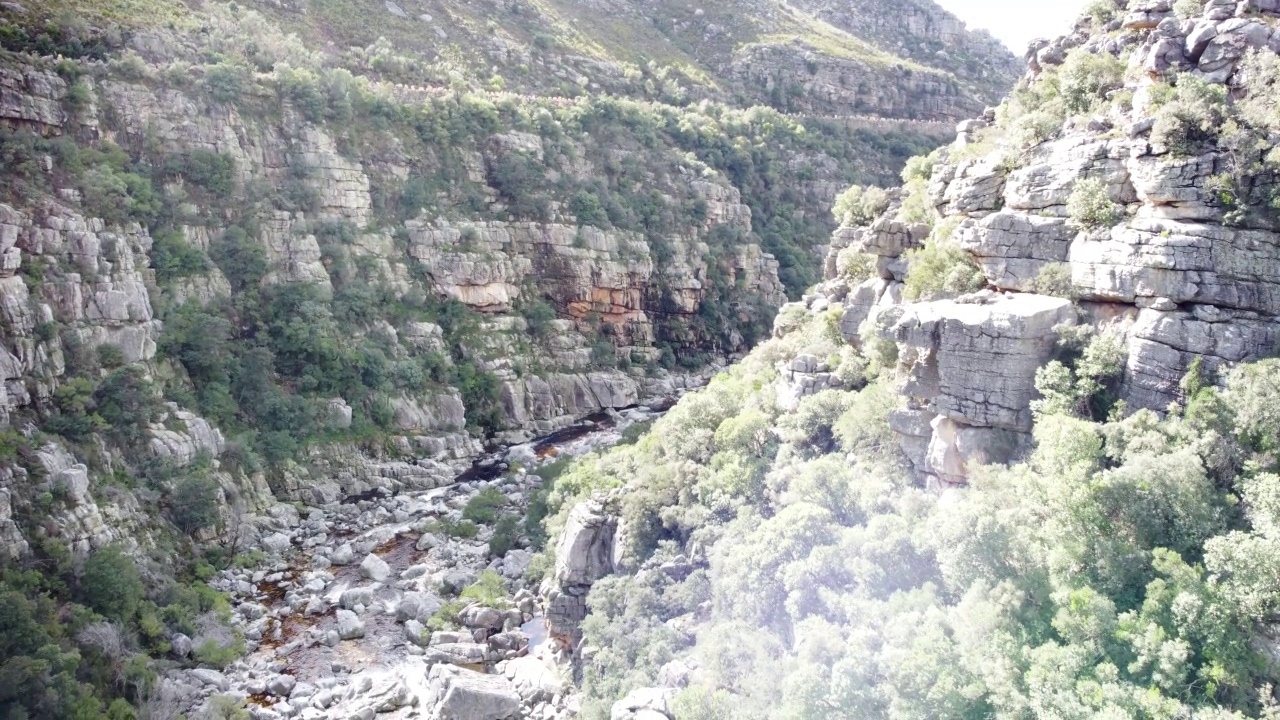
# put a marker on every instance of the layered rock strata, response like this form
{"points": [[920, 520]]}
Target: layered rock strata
{"points": [[1180, 275]]}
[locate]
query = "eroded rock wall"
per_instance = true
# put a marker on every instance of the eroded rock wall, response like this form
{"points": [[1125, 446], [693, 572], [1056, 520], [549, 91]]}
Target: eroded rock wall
{"points": [[1177, 270]]}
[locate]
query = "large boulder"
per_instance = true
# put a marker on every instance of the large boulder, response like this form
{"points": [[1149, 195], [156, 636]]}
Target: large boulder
{"points": [[975, 359], [457, 694], [350, 626], [533, 679], [644, 704], [457, 653], [375, 568], [585, 552]]}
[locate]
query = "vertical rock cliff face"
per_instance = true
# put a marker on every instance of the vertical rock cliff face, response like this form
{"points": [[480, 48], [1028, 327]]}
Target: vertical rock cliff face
{"points": [[1133, 203]]}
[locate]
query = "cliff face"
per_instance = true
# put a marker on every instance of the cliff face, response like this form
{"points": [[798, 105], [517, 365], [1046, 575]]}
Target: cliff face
{"points": [[1129, 173]]}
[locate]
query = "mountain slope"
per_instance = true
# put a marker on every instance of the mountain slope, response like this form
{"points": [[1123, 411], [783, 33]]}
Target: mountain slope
{"points": [[851, 60], [1010, 459]]}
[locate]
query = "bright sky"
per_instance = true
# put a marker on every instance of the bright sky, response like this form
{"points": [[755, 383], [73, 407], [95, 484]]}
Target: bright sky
{"points": [[1017, 22]]}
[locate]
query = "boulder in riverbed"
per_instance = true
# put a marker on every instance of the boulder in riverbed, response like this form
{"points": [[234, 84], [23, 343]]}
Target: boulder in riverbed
{"points": [[375, 568], [457, 694], [350, 626]]}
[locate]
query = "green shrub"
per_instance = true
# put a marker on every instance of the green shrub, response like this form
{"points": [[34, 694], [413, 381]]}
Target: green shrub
{"points": [[78, 97], [856, 266], [1090, 205], [1187, 9], [604, 354], [919, 167], [586, 207], [481, 395], [939, 270], [538, 316], [489, 589], [1054, 279], [226, 707], [126, 401], [917, 205], [110, 356], [213, 172], [172, 257], [1191, 116], [194, 503], [1039, 125], [506, 533], [454, 528], [446, 617], [1087, 77], [1086, 387], [1260, 72], [631, 435], [75, 419], [483, 506], [215, 654], [240, 257], [111, 584], [225, 82], [117, 196], [859, 205], [519, 180]]}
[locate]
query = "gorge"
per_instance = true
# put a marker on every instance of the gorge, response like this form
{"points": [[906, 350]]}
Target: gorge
{"points": [[505, 359]]}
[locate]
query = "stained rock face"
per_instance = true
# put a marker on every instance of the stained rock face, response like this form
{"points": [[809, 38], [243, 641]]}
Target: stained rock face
{"points": [[585, 270]]}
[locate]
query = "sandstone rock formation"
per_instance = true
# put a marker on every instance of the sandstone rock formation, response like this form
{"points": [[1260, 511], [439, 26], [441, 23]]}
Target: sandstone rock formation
{"points": [[456, 694], [588, 549], [1178, 271]]}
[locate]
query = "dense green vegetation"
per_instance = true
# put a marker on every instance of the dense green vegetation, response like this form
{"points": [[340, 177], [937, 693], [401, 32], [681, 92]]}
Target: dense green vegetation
{"points": [[76, 644], [1124, 569]]}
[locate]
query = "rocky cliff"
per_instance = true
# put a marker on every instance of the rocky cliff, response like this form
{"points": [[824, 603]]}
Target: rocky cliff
{"points": [[1130, 174], [1084, 270]]}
